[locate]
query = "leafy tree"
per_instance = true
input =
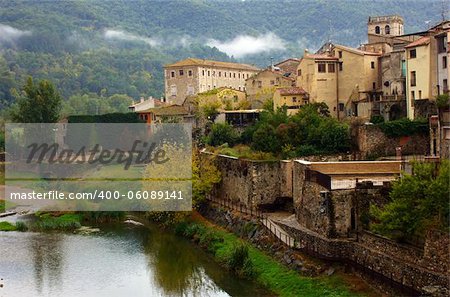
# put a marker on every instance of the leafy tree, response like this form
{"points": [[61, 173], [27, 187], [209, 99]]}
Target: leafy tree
{"points": [[418, 202], [38, 103]]}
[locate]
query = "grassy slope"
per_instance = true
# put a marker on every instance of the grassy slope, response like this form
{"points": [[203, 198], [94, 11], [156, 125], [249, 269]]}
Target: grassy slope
{"points": [[270, 273]]}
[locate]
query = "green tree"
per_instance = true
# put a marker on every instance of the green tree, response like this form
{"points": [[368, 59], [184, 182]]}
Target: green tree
{"points": [[37, 103], [418, 202]]}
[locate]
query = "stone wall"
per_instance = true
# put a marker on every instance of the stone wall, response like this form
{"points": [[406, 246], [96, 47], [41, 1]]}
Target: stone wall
{"points": [[372, 142], [253, 183], [379, 256]]}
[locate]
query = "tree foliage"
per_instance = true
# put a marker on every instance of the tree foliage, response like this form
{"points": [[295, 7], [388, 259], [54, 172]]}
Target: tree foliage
{"points": [[310, 131], [37, 103], [221, 134], [418, 202]]}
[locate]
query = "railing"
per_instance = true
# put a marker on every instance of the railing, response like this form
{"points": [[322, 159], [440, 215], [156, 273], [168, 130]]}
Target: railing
{"points": [[393, 97], [276, 230]]}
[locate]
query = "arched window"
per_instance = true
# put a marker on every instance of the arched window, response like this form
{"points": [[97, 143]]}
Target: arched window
{"points": [[377, 30], [387, 30]]}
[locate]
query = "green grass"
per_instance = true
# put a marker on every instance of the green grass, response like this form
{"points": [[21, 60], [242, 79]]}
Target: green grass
{"points": [[65, 222], [243, 152], [7, 226], [267, 271]]}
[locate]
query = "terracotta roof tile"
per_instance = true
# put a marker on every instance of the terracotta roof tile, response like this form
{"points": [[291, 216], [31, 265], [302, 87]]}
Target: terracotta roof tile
{"points": [[421, 41]]}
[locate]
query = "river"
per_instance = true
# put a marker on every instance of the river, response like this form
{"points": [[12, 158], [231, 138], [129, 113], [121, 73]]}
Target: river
{"points": [[120, 260]]}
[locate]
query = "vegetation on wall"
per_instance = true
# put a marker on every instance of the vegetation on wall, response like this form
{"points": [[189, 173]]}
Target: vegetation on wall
{"points": [[418, 202], [404, 127]]}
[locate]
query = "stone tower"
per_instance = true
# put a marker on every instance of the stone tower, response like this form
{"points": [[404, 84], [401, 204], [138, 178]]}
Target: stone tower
{"points": [[391, 25]]}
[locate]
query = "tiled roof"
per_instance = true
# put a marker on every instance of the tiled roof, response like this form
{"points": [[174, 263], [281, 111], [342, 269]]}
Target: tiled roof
{"points": [[421, 41], [167, 110], [291, 91], [210, 63]]}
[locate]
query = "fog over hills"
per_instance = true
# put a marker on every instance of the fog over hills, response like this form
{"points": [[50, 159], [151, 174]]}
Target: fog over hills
{"points": [[121, 46]]}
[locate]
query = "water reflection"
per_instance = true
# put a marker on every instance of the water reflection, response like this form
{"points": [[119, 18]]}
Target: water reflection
{"points": [[47, 260], [119, 261]]}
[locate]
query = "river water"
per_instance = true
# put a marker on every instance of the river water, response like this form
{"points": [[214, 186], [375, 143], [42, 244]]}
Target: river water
{"points": [[120, 260]]}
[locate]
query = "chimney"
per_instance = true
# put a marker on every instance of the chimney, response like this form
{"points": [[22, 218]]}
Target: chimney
{"points": [[306, 52]]}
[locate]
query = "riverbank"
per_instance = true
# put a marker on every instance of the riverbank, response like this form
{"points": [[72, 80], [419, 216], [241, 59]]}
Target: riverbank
{"points": [[265, 270]]}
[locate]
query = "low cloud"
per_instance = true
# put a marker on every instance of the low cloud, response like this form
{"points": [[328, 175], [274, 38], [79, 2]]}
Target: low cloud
{"points": [[244, 45], [125, 36], [9, 35]]}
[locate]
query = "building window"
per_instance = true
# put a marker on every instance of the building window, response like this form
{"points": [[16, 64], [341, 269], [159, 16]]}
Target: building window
{"points": [[413, 78], [299, 72], [203, 72], [372, 65], [220, 74], [341, 106], [412, 54], [374, 85], [214, 73], [230, 74], [172, 74], [444, 62], [321, 67], [305, 101], [247, 75], [377, 30], [225, 74], [420, 94], [294, 99], [239, 75], [181, 72], [445, 85], [259, 84], [331, 68], [413, 97], [441, 44], [341, 66], [340, 54], [190, 72], [209, 73], [234, 75], [387, 30]]}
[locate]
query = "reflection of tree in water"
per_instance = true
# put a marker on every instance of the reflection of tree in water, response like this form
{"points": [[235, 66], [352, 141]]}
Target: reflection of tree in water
{"points": [[47, 258], [175, 265]]}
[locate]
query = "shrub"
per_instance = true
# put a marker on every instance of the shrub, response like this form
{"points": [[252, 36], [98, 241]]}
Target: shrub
{"points": [[376, 119], [222, 133], [443, 100], [239, 260], [21, 226], [404, 127]]}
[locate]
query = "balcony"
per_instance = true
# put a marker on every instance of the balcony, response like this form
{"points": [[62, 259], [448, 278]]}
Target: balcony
{"points": [[393, 98]]}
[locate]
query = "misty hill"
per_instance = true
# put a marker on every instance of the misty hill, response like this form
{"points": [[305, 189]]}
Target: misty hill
{"points": [[110, 47]]}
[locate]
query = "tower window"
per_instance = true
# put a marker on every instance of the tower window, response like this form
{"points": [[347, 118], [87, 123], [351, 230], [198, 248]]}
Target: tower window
{"points": [[412, 53], [377, 30], [372, 65], [387, 30]]}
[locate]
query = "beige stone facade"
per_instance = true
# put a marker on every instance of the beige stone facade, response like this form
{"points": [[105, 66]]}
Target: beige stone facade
{"points": [[192, 76], [345, 78], [261, 86], [292, 98], [391, 25]]}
